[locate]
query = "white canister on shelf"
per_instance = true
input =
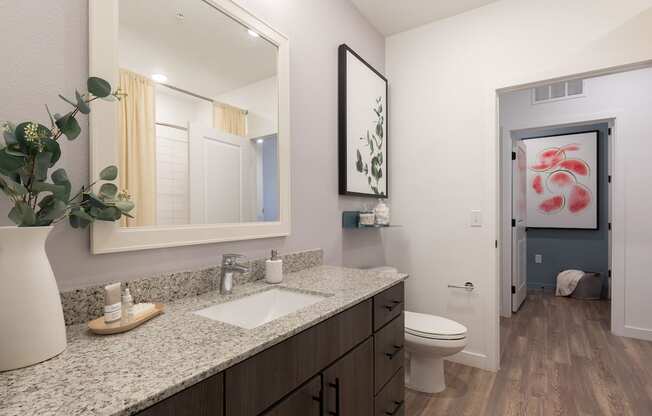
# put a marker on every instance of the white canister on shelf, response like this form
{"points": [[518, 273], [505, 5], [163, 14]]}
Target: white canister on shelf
{"points": [[381, 213]]}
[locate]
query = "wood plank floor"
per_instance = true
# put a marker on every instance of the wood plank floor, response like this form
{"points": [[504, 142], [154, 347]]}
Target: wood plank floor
{"points": [[558, 358]]}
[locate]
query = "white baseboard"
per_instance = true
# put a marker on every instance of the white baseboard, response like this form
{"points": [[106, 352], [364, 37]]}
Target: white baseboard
{"points": [[472, 359], [638, 333]]}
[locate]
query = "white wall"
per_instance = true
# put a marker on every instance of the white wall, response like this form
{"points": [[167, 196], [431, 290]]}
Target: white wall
{"points": [[261, 102], [443, 136], [58, 36], [628, 97]]}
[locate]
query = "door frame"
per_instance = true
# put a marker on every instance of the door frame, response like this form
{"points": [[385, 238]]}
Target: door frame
{"points": [[614, 118]]}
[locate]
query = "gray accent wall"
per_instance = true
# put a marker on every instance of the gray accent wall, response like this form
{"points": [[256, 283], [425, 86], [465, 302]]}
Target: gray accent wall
{"points": [[586, 250], [45, 50]]}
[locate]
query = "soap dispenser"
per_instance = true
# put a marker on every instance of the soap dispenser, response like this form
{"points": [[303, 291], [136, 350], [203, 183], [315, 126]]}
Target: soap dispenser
{"points": [[274, 269]]}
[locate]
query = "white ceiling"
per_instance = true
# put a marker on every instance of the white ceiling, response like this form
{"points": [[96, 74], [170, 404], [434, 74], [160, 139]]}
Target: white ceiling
{"points": [[394, 16], [206, 52]]}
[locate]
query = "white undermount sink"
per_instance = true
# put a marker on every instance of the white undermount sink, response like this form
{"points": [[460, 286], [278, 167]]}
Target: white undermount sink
{"points": [[257, 309]]}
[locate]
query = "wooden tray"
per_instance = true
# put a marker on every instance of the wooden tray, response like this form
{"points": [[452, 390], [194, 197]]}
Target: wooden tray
{"points": [[100, 327]]}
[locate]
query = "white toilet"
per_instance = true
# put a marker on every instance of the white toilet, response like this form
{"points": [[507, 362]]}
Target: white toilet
{"points": [[428, 339]]}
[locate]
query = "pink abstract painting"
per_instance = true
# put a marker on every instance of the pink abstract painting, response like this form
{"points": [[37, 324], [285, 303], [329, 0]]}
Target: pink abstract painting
{"points": [[562, 181]]}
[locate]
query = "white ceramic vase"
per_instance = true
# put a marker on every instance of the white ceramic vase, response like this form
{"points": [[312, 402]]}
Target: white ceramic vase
{"points": [[32, 328]]}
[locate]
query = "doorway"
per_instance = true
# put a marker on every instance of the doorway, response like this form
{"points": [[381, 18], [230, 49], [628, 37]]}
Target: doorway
{"points": [[534, 254]]}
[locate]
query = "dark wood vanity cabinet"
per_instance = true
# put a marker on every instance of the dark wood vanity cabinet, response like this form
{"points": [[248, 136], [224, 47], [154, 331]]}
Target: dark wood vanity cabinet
{"points": [[305, 401], [205, 398], [349, 365], [348, 384]]}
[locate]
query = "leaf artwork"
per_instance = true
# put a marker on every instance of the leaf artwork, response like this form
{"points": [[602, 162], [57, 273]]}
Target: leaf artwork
{"points": [[374, 142], [31, 149]]}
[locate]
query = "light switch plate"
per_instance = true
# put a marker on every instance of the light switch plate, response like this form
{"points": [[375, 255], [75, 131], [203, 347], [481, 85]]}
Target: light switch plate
{"points": [[476, 218], [538, 258]]}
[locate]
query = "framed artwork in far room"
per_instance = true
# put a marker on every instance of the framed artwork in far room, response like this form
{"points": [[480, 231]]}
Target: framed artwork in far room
{"points": [[362, 127], [562, 181]]}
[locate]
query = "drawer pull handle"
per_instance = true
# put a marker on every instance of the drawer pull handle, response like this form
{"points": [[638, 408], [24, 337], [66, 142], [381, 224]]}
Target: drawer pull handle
{"points": [[336, 386], [398, 404], [397, 349], [393, 305]]}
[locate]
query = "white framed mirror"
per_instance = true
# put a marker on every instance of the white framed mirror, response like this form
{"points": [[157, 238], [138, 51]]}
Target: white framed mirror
{"points": [[202, 136]]}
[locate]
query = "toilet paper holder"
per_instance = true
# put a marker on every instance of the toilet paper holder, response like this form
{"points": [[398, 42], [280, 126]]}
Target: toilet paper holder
{"points": [[468, 286]]}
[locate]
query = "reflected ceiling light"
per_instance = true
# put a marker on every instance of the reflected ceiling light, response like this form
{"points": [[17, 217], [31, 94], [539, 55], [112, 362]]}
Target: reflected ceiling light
{"points": [[259, 141], [159, 78], [253, 34]]}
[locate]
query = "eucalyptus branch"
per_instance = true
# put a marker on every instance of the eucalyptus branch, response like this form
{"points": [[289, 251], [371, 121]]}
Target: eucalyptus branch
{"points": [[31, 150]]}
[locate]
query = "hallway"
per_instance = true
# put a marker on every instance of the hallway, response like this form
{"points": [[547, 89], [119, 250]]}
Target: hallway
{"points": [[558, 358]]}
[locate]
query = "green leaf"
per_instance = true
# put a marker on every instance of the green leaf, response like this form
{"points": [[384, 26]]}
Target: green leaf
{"points": [[79, 218], [81, 213], [109, 173], [69, 126], [124, 206], [11, 187], [41, 165], [39, 186], [106, 214], [53, 211], [93, 201], [358, 163], [98, 87], [10, 163], [82, 104], [60, 178], [22, 214], [108, 191], [48, 200], [52, 146]]}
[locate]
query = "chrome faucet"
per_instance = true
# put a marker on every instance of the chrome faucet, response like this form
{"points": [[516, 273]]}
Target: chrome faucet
{"points": [[230, 265]]}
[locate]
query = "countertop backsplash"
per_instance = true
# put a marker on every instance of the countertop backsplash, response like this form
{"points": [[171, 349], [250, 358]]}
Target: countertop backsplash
{"points": [[85, 304]]}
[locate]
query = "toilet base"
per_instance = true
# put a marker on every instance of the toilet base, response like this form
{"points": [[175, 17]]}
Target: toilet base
{"points": [[425, 374]]}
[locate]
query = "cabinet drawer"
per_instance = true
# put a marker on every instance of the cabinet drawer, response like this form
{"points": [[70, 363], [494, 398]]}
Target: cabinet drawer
{"points": [[205, 398], [257, 383], [388, 305], [391, 400], [305, 401], [388, 351]]}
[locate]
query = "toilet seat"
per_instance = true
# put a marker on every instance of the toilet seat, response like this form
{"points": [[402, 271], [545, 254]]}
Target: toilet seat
{"points": [[433, 327]]}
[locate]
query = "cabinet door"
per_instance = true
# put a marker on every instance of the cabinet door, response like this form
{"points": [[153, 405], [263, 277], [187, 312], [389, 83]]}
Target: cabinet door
{"points": [[306, 401], [349, 383], [205, 398]]}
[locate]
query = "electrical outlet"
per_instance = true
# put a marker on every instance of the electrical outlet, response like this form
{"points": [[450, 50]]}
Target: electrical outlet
{"points": [[476, 218], [538, 258]]}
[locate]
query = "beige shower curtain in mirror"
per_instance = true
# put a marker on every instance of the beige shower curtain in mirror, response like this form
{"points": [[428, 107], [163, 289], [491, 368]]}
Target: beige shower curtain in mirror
{"points": [[230, 119], [138, 147]]}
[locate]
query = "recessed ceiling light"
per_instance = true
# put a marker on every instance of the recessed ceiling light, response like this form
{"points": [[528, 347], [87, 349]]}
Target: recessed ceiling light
{"points": [[259, 141], [159, 77], [253, 34]]}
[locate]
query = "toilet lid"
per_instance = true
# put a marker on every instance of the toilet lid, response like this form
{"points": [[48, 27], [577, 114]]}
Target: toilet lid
{"points": [[432, 326]]}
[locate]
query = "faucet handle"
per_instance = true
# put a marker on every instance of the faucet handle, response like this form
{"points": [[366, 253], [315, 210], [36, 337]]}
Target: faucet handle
{"points": [[231, 258]]}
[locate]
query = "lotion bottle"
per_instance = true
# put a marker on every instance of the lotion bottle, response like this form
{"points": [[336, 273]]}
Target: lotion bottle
{"points": [[274, 269], [112, 304]]}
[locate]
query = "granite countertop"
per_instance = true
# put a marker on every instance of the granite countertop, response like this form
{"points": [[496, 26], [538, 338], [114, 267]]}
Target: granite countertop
{"points": [[125, 373]]}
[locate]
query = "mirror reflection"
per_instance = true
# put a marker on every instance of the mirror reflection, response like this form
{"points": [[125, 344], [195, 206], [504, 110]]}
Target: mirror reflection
{"points": [[198, 125]]}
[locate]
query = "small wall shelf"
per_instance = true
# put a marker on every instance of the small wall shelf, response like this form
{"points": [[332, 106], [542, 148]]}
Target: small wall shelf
{"points": [[351, 219]]}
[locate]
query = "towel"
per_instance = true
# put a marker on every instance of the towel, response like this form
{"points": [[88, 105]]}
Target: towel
{"points": [[567, 282]]}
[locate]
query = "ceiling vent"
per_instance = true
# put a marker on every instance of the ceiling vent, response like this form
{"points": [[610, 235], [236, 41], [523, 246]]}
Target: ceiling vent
{"points": [[558, 91]]}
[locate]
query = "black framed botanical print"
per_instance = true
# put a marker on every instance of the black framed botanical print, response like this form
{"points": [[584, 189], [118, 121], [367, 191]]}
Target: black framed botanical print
{"points": [[362, 127]]}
